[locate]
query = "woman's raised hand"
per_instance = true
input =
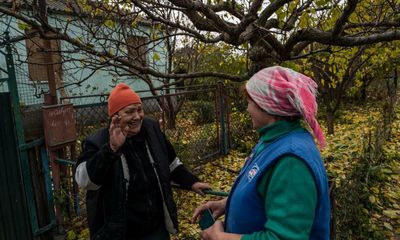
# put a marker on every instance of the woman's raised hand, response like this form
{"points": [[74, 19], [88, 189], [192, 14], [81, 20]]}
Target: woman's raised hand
{"points": [[117, 134]]}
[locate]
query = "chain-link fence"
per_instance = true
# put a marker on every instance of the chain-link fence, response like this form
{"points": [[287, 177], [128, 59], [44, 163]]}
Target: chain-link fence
{"points": [[192, 118], [192, 121]]}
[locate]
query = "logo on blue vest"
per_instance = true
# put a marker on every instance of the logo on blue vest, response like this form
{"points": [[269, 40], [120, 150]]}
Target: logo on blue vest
{"points": [[252, 172]]}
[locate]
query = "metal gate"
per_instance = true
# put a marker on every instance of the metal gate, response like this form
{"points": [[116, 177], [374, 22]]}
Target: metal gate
{"points": [[26, 191], [14, 220]]}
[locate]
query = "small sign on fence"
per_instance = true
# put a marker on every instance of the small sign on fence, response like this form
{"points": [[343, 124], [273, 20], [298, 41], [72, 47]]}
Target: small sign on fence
{"points": [[59, 124]]}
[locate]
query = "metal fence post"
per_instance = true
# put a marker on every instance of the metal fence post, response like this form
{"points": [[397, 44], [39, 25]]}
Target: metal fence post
{"points": [[222, 120], [12, 86], [162, 108]]}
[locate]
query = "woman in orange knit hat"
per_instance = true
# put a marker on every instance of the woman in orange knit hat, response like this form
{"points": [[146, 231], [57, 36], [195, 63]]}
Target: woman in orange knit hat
{"points": [[126, 169]]}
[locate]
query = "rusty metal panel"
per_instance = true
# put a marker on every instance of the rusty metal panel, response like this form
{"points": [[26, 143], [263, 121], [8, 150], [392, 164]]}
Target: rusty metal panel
{"points": [[32, 120], [59, 124]]}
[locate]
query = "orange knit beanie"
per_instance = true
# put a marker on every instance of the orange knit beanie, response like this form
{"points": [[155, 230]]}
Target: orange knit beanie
{"points": [[121, 96]]}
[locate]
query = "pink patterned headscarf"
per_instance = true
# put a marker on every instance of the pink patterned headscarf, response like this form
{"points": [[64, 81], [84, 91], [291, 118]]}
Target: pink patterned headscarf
{"points": [[284, 92]]}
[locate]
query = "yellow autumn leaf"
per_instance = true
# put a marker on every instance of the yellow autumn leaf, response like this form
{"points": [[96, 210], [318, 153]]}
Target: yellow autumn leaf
{"points": [[388, 226], [372, 199], [109, 23], [392, 213], [71, 235]]}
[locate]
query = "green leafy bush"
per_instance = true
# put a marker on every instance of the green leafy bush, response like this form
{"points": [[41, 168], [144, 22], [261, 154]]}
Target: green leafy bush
{"points": [[203, 112], [243, 137]]}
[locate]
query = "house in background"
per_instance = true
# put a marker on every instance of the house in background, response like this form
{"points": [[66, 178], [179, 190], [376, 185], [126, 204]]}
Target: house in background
{"points": [[74, 71]]}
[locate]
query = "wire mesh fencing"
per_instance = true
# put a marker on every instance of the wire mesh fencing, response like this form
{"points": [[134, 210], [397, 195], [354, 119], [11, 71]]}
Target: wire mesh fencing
{"points": [[90, 113], [192, 119]]}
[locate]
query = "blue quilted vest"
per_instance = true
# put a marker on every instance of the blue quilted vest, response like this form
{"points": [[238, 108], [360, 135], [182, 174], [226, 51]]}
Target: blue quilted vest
{"points": [[245, 211]]}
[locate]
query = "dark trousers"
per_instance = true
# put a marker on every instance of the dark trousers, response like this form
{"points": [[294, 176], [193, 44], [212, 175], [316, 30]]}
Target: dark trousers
{"points": [[159, 234]]}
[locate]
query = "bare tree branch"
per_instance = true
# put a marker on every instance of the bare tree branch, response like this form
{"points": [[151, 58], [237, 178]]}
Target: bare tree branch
{"points": [[210, 17], [269, 10], [372, 24], [175, 25], [340, 23]]}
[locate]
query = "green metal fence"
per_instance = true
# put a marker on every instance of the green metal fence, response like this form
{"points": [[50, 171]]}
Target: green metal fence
{"points": [[30, 165], [14, 220]]}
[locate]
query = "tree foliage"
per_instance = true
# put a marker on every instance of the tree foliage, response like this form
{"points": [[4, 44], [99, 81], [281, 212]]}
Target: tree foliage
{"points": [[272, 31], [344, 45]]}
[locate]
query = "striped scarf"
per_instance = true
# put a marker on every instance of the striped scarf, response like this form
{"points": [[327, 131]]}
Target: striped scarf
{"points": [[284, 92]]}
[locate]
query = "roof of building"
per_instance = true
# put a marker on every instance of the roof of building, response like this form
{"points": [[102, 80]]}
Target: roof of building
{"points": [[55, 6]]}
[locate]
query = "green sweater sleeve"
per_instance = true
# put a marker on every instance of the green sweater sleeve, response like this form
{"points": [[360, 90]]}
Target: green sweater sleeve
{"points": [[290, 198]]}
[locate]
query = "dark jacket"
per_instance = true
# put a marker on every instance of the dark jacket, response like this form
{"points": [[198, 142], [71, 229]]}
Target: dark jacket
{"points": [[106, 205]]}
